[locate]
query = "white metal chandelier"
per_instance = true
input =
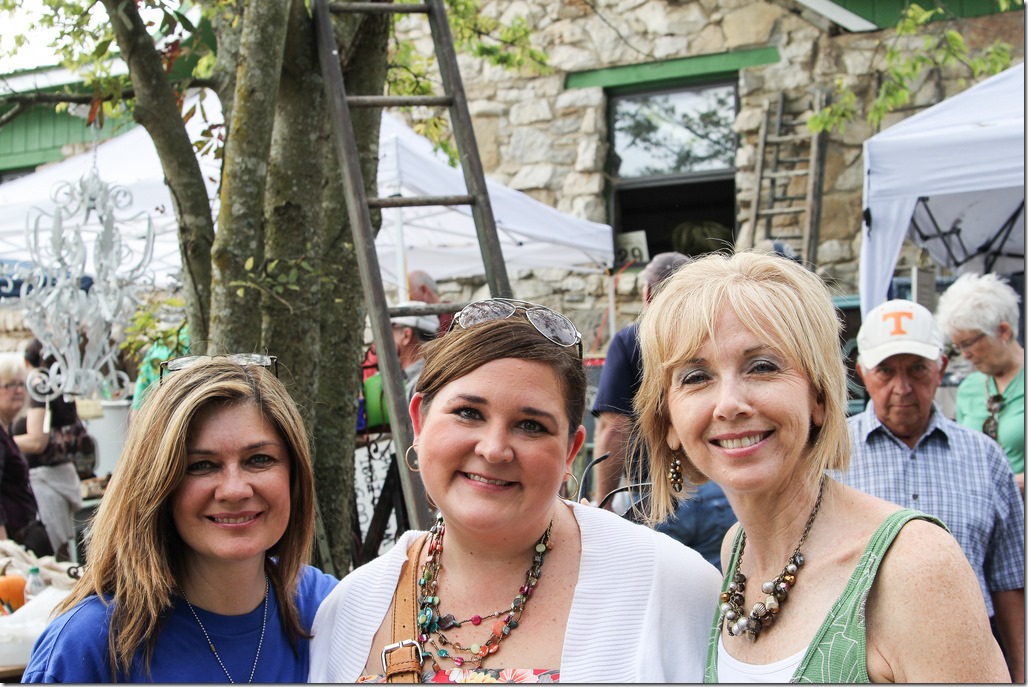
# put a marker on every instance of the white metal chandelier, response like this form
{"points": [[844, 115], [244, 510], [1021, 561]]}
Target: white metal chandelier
{"points": [[82, 327]]}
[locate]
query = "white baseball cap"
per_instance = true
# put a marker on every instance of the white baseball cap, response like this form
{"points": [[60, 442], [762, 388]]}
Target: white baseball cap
{"points": [[895, 327], [428, 324]]}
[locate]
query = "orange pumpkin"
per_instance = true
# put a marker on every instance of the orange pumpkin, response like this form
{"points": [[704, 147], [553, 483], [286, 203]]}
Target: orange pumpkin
{"points": [[12, 589]]}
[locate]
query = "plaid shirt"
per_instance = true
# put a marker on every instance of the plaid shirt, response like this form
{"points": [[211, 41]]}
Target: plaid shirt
{"points": [[956, 474]]}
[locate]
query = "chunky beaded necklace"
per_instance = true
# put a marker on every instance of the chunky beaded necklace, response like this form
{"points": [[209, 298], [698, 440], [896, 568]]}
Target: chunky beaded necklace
{"points": [[431, 623], [763, 613], [260, 643]]}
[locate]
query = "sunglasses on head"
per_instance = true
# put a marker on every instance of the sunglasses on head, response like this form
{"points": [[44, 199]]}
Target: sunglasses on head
{"points": [[243, 359], [550, 323]]}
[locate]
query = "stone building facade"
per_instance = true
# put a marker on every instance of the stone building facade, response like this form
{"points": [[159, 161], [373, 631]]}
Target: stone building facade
{"points": [[545, 137]]}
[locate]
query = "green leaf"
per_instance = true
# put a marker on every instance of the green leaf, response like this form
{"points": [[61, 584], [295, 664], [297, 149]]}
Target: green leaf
{"points": [[248, 265]]}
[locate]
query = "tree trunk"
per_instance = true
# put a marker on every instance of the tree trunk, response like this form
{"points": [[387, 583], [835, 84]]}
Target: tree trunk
{"points": [[158, 111], [235, 320], [293, 215]]}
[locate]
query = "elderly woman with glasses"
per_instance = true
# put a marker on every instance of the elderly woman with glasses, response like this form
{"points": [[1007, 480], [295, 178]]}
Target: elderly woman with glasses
{"points": [[980, 315], [18, 509], [195, 566], [513, 583]]}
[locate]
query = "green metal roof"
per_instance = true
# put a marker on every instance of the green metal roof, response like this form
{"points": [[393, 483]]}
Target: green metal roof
{"points": [[885, 13]]}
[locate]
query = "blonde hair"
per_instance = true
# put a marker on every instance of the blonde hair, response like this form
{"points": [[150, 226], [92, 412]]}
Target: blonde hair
{"points": [[136, 554], [780, 302]]}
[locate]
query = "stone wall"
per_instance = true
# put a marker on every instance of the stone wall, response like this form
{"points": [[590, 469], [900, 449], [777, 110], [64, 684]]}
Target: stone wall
{"points": [[550, 142]]}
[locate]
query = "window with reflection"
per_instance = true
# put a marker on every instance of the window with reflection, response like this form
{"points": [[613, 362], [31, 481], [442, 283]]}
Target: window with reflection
{"points": [[671, 170], [674, 132]]}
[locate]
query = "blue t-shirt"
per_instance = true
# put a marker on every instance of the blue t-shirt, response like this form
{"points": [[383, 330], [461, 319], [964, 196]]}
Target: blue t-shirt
{"points": [[73, 648], [621, 376]]}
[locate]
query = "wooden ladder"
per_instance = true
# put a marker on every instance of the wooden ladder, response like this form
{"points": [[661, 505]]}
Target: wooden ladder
{"points": [[787, 155], [359, 206]]}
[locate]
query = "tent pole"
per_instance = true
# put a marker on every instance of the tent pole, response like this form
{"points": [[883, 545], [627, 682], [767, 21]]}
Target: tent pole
{"points": [[611, 308], [402, 284], [401, 243]]}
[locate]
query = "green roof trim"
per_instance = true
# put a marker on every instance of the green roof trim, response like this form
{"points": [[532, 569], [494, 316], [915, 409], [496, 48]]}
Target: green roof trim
{"points": [[32, 158], [634, 75], [885, 13]]}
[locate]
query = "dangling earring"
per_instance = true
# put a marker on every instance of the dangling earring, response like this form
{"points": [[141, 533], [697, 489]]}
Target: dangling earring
{"points": [[674, 475], [406, 459], [577, 485]]}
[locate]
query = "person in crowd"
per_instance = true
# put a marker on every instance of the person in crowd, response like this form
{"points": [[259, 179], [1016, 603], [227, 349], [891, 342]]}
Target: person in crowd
{"points": [[980, 315], [744, 384], [196, 557], [422, 287], [583, 595], [18, 510], [907, 452], [410, 334], [700, 521], [55, 481], [149, 368]]}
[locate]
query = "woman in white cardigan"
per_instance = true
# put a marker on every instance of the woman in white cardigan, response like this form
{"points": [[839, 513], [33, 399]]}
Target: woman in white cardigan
{"points": [[514, 583]]}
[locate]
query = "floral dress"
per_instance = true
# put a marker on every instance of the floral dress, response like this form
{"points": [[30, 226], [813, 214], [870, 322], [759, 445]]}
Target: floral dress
{"points": [[455, 675]]}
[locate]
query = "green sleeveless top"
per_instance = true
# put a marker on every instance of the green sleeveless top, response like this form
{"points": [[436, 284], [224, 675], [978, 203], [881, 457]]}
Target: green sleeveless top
{"points": [[838, 652]]}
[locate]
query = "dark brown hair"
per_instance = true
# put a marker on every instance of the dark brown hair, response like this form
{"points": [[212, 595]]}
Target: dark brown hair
{"points": [[464, 350]]}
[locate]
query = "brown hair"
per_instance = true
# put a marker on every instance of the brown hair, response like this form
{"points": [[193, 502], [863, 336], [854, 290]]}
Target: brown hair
{"points": [[135, 552], [780, 302], [464, 350]]}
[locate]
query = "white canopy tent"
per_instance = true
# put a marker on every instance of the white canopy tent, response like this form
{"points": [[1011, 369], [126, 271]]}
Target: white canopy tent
{"points": [[440, 240], [952, 179]]}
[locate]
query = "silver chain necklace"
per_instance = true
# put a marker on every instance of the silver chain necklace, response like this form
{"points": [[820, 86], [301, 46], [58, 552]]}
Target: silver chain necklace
{"points": [[264, 625]]}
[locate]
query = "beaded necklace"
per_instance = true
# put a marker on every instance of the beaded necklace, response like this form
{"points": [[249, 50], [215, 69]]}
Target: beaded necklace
{"points": [[763, 613], [260, 643], [431, 623]]}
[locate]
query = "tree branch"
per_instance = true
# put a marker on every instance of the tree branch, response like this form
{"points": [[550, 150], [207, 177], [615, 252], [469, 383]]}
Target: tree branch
{"points": [[24, 101]]}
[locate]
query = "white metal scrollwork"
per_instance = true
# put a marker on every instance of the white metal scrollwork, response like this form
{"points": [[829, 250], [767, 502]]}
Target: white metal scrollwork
{"points": [[82, 328]]}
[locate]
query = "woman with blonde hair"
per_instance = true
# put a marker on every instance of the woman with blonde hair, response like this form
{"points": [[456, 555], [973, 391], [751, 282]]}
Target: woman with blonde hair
{"points": [[744, 384], [514, 584], [196, 557]]}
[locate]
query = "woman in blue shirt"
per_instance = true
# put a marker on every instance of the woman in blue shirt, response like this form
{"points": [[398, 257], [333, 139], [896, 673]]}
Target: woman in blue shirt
{"points": [[196, 557]]}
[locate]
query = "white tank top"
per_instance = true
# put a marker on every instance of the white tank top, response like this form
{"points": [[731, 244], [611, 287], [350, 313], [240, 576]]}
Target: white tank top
{"points": [[732, 670]]}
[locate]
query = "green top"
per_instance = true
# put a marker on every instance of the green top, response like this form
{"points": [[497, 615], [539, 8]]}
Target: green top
{"points": [[972, 412], [838, 652], [150, 368]]}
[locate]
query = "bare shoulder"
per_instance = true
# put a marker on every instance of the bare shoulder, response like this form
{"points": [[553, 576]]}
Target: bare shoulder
{"points": [[923, 566], [726, 545]]}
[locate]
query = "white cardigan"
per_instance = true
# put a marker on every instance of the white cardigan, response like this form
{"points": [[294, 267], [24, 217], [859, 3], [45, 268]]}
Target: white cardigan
{"points": [[642, 610]]}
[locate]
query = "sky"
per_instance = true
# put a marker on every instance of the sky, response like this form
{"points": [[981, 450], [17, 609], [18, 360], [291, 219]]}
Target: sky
{"points": [[36, 53]]}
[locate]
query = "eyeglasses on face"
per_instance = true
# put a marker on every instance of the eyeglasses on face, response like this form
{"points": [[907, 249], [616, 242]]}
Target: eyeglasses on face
{"points": [[965, 346], [12, 386], [550, 323], [186, 361]]}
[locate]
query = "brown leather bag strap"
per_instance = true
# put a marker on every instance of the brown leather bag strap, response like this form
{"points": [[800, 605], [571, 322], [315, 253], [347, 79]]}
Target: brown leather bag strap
{"points": [[402, 659]]}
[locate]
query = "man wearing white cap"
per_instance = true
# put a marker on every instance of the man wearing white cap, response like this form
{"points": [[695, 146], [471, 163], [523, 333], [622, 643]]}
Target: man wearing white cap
{"points": [[410, 332], [906, 451]]}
